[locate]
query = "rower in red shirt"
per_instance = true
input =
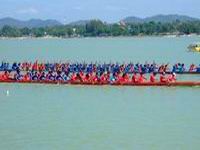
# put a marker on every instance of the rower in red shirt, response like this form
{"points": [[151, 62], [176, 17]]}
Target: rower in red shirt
{"points": [[141, 78], [26, 77], [153, 77], [134, 78], [81, 75], [103, 78], [86, 78], [172, 77], [5, 76], [94, 78], [126, 78], [73, 77], [163, 78], [121, 78]]}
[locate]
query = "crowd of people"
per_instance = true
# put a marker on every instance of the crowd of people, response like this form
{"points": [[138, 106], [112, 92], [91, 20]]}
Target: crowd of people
{"points": [[81, 77], [99, 68], [90, 73]]}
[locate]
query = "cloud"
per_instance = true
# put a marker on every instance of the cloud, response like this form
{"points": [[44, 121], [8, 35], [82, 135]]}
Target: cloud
{"points": [[28, 11]]}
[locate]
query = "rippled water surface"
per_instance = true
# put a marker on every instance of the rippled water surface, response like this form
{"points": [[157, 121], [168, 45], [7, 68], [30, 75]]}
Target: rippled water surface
{"points": [[89, 117]]}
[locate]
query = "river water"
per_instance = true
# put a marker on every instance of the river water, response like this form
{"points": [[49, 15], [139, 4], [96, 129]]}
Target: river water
{"points": [[83, 117]]}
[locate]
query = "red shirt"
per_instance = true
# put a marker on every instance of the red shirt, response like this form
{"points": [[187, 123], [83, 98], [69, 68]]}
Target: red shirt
{"points": [[126, 78], [141, 79], [103, 78], [5, 76], [73, 77], [163, 78], [26, 77], [121, 79], [152, 78], [134, 78], [95, 79], [172, 78]]}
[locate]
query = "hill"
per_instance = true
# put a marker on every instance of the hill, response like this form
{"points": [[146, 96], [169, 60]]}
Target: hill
{"points": [[79, 23], [32, 23], [159, 18]]}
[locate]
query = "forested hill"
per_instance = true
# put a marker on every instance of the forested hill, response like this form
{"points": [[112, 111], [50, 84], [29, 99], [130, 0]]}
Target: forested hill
{"points": [[160, 18], [36, 23], [32, 23], [98, 28]]}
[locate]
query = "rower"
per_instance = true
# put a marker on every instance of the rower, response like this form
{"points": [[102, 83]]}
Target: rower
{"points": [[125, 78], [198, 68], [134, 77], [112, 78], [35, 76], [141, 78], [163, 78], [18, 76], [42, 76], [86, 78], [192, 68], [95, 78], [58, 76], [26, 77], [172, 77], [103, 78], [153, 77], [65, 76], [5, 76], [73, 77]]}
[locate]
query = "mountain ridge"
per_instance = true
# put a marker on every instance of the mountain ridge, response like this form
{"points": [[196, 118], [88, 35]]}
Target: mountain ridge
{"points": [[160, 18], [32, 23], [35, 23]]}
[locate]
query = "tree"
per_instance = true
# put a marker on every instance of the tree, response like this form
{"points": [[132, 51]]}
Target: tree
{"points": [[8, 31], [95, 28]]}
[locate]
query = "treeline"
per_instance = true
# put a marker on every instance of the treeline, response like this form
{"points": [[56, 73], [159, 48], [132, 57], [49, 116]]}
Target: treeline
{"points": [[97, 28]]}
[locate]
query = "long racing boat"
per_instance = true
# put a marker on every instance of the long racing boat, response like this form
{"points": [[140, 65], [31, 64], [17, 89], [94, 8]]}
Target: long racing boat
{"points": [[168, 84]]}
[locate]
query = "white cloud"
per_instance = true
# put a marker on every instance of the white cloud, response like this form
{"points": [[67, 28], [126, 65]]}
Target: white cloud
{"points": [[28, 11]]}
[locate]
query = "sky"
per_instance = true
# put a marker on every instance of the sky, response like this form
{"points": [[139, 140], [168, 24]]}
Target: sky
{"points": [[107, 10]]}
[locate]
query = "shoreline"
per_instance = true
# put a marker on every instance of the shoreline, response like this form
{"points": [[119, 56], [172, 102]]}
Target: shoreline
{"points": [[100, 37]]}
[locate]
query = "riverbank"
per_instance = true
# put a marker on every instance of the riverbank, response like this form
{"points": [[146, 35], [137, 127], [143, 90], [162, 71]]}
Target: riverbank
{"points": [[81, 37]]}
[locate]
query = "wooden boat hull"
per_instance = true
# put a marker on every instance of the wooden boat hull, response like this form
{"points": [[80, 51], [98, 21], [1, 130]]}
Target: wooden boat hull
{"points": [[178, 83]]}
